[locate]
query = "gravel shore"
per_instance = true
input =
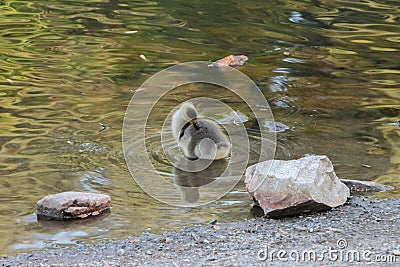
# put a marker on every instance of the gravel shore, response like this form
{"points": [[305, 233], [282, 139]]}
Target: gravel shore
{"points": [[364, 229]]}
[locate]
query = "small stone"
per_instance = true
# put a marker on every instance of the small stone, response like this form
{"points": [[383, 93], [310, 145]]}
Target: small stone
{"points": [[235, 117], [195, 237], [337, 230], [276, 127], [143, 57], [169, 240], [396, 252], [213, 222], [229, 61], [148, 252], [103, 127]]}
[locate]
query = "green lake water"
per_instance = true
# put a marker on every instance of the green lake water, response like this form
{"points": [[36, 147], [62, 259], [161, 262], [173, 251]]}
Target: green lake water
{"points": [[330, 70]]}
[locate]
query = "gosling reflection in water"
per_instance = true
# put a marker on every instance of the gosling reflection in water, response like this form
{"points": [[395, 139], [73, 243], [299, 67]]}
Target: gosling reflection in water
{"points": [[189, 183]]}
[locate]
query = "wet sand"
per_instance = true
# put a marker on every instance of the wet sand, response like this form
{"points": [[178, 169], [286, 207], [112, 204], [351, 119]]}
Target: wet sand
{"points": [[364, 232]]}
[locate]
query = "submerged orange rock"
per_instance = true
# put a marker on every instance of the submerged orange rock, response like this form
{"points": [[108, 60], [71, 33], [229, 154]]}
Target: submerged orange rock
{"points": [[231, 61]]}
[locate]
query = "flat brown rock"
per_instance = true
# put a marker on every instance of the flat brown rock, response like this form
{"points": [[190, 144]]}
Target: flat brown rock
{"points": [[70, 205], [357, 186]]}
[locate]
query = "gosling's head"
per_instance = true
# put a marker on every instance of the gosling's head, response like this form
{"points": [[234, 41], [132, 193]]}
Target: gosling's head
{"points": [[188, 111]]}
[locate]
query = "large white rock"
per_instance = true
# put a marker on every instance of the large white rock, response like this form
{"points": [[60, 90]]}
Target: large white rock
{"points": [[283, 188]]}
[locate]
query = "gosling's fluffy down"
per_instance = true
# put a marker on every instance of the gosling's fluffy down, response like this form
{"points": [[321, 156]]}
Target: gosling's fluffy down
{"points": [[198, 138]]}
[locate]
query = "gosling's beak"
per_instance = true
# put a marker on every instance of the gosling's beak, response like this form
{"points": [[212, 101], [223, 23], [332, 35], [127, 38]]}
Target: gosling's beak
{"points": [[194, 123]]}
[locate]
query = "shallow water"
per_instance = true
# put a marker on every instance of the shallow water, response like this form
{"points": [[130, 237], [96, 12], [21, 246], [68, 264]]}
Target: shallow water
{"points": [[329, 69]]}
